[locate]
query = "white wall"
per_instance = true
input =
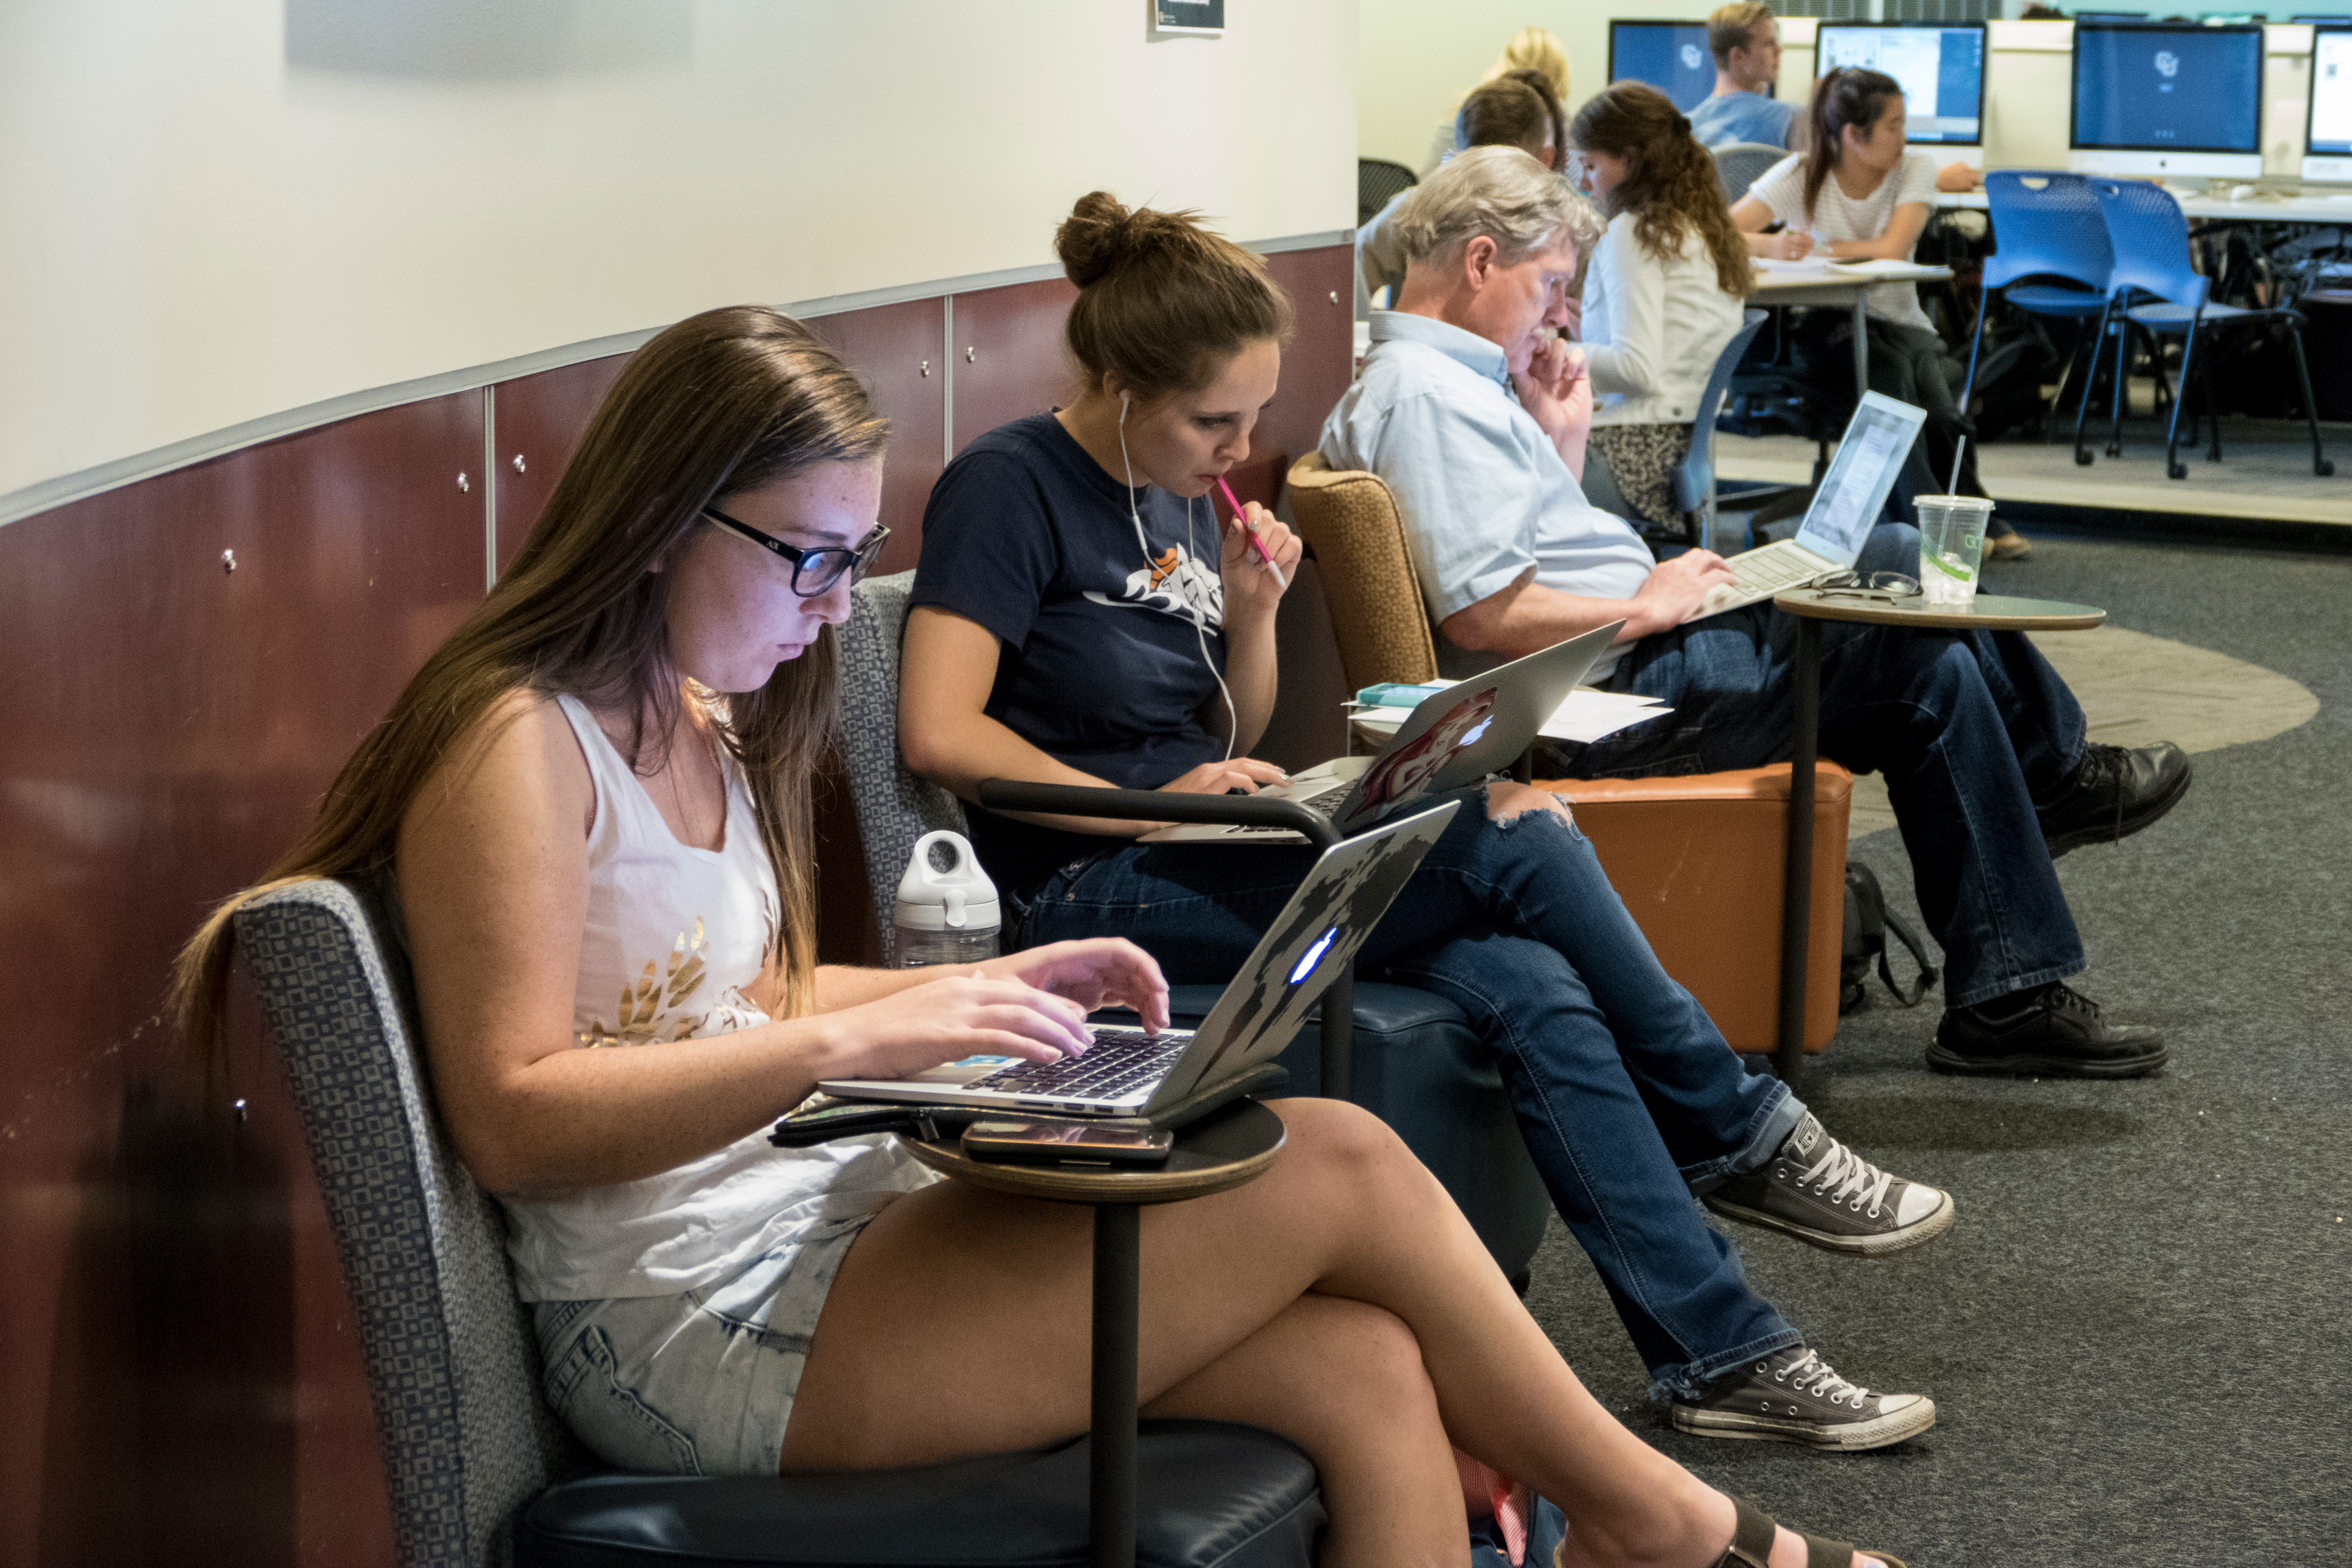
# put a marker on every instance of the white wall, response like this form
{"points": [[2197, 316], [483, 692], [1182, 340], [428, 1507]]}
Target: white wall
{"points": [[215, 210]]}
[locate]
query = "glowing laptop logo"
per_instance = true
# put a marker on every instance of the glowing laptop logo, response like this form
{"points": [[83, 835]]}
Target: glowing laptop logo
{"points": [[1314, 956], [1471, 738]]}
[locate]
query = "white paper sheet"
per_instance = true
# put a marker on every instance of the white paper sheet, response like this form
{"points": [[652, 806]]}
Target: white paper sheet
{"points": [[1587, 715]]}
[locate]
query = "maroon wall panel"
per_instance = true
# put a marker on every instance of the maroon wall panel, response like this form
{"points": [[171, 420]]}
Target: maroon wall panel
{"points": [[897, 349], [1316, 367], [539, 421], [1009, 358], [174, 1325]]}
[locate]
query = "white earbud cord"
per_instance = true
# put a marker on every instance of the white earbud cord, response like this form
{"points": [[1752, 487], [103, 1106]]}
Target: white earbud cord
{"points": [[1191, 542]]}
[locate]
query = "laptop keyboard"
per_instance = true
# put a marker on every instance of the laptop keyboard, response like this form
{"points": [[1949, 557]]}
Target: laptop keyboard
{"points": [[1769, 570], [1120, 1061]]}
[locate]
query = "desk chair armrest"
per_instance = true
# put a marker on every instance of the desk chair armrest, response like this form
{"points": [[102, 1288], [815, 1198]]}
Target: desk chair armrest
{"points": [[1338, 1003], [1158, 806]]}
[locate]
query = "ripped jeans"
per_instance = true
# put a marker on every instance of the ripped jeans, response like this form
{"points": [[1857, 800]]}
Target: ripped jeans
{"points": [[1625, 1092]]}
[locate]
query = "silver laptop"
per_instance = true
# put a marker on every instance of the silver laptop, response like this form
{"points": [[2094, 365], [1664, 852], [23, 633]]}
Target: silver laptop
{"points": [[1845, 508], [1128, 1073], [1454, 737]]}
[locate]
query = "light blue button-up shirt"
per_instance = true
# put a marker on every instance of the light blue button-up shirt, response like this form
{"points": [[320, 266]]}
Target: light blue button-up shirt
{"points": [[1485, 498]]}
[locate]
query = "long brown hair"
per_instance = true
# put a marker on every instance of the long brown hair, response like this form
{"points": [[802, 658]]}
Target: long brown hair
{"points": [[1162, 303], [1670, 184], [1846, 96], [727, 401]]}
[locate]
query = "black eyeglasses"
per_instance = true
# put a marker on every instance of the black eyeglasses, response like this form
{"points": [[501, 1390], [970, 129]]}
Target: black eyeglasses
{"points": [[815, 571], [1888, 586]]}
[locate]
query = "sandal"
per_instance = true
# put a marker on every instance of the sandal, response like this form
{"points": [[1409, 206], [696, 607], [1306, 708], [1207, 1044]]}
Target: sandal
{"points": [[1752, 1544]]}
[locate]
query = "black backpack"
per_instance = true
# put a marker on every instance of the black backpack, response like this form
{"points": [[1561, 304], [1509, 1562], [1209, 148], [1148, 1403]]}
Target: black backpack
{"points": [[1867, 923]]}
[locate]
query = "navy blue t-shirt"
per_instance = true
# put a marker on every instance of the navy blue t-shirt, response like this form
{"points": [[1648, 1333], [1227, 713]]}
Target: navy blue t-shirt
{"points": [[1100, 661]]}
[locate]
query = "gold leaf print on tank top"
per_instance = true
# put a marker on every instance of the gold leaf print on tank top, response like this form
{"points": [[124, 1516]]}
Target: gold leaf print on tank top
{"points": [[649, 1007]]}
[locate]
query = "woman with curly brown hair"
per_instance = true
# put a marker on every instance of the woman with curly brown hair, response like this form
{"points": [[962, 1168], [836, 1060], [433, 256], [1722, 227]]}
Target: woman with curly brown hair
{"points": [[1662, 296]]}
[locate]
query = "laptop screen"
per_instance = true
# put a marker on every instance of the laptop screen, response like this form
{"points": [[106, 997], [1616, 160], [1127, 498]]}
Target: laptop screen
{"points": [[1851, 493]]}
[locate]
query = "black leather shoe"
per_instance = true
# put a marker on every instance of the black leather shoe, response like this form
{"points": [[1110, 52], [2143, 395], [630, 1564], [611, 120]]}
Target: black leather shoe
{"points": [[2114, 794], [2055, 1031]]}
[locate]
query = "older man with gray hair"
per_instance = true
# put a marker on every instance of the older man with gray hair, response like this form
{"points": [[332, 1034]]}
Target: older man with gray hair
{"points": [[1474, 413]]}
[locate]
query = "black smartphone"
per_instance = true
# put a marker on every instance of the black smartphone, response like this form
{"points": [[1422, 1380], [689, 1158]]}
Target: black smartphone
{"points": [[1065, 1143]]}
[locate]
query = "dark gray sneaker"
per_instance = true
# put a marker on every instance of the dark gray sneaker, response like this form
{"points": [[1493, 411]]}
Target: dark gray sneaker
{"points": [[1793, 1396], [1818, 1190]]}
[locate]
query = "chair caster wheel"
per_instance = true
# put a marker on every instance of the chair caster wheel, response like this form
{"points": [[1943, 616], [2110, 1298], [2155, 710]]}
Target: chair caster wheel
{"points": [[2175, 471], [2323, 468], [2082, 459]]}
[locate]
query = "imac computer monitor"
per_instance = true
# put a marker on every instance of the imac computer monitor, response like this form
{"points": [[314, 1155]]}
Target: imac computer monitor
{"points": [[2158, 97], [1941, 65], [2327, 132], [1670, 56]]}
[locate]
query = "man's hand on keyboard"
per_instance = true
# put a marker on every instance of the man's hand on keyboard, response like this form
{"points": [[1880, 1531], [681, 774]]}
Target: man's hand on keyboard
{"points": [[1101, 972], [1673, 591]]}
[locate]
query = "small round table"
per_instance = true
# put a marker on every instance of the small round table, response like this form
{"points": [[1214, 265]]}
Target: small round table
{"points": [[1228, 1147], [1812, 607]]}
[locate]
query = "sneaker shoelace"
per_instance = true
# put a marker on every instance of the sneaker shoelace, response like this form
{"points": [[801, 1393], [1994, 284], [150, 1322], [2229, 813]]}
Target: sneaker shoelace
{"points": [[1810, 1374], [1853, 1177]]}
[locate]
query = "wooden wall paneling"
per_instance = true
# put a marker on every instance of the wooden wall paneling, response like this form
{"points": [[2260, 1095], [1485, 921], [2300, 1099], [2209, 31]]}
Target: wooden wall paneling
{"points": [[539, 420], [1320, 359], [173, 1323], [1009, 358], [899, 351]]}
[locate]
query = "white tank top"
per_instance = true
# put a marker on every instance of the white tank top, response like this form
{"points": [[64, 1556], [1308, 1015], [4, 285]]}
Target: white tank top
{"points": [[673, 934]]}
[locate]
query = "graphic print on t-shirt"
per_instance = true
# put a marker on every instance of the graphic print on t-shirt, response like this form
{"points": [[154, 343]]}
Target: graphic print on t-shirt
{"points": [[1177, 584]]}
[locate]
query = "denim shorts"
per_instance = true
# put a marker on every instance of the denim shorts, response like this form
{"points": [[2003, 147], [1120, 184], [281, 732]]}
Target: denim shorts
{"points": [[701, 1382]]}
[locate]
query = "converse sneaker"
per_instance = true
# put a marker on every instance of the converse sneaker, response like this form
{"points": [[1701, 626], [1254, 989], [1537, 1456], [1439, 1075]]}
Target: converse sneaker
{"points": [[1818, 1190], [1793, 1396]]}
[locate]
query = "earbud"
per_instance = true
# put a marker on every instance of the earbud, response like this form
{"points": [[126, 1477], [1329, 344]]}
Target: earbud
{"points": [[1123, 399]]}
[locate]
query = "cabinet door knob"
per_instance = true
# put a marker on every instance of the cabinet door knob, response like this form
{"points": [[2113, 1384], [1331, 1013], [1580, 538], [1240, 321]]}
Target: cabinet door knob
{"points": [[518, 460], [1335, 296], [463, 483], [971, 355], [228, 560]]}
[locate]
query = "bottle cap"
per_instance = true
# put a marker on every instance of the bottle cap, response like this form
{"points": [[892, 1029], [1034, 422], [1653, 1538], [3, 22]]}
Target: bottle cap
{"points": [[944, 888]]}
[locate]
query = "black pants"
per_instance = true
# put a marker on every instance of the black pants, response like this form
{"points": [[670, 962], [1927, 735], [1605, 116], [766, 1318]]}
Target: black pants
{"points": [[1911, 364]]}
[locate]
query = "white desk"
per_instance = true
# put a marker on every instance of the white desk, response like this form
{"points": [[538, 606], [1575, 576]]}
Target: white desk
{"points": [[1818, 287], [2327, 209]]}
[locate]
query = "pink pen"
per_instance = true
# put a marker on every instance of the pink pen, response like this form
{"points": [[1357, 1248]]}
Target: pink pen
{"points": [[1255, 543]]}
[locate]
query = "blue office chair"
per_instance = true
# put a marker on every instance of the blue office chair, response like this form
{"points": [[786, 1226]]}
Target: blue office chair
{"points": [[1694, 477], [2150, 236], [2046, 225]]}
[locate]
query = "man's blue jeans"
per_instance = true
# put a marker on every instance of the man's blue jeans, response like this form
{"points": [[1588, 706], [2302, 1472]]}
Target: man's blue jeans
{"points": [[1627, 1096], [1971, 728]]}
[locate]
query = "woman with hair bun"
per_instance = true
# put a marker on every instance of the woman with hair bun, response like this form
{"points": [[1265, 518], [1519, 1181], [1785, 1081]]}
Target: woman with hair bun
{"points": [[1663, 295], [1517, 109], [1081, 617]]}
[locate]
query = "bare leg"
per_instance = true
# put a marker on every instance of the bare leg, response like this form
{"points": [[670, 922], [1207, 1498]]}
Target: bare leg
{"points": [[959, 1325]]}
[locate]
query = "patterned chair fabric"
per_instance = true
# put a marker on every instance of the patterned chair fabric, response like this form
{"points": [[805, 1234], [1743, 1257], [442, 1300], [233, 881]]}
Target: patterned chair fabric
{"points": [[894, 807], [1350, 521], [451, 1358], [469, 1442]]}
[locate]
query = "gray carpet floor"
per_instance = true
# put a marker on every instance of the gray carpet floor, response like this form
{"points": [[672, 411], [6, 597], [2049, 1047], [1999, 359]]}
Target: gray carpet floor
{"points": [[2138, 1334]]}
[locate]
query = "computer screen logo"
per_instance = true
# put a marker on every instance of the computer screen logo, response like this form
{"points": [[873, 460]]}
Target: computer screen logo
{"points": [[1314, 956], [1691, 57], [2168, 64]]}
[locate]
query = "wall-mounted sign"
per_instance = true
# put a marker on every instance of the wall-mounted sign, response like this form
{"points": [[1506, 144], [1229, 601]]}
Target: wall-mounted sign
{"points": [[1202, 17]]}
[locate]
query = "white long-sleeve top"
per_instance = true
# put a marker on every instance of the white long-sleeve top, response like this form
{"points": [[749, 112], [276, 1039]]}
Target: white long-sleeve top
{"points": [[1651, 329]]}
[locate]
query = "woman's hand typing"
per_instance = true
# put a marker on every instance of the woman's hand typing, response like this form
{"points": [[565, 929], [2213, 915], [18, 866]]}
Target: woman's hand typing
{"points": [[964, 1012], [1246, 775], [1106, 972]]}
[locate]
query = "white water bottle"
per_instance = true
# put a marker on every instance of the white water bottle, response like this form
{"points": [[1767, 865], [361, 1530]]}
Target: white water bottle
{"points": [[946, 905]]}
